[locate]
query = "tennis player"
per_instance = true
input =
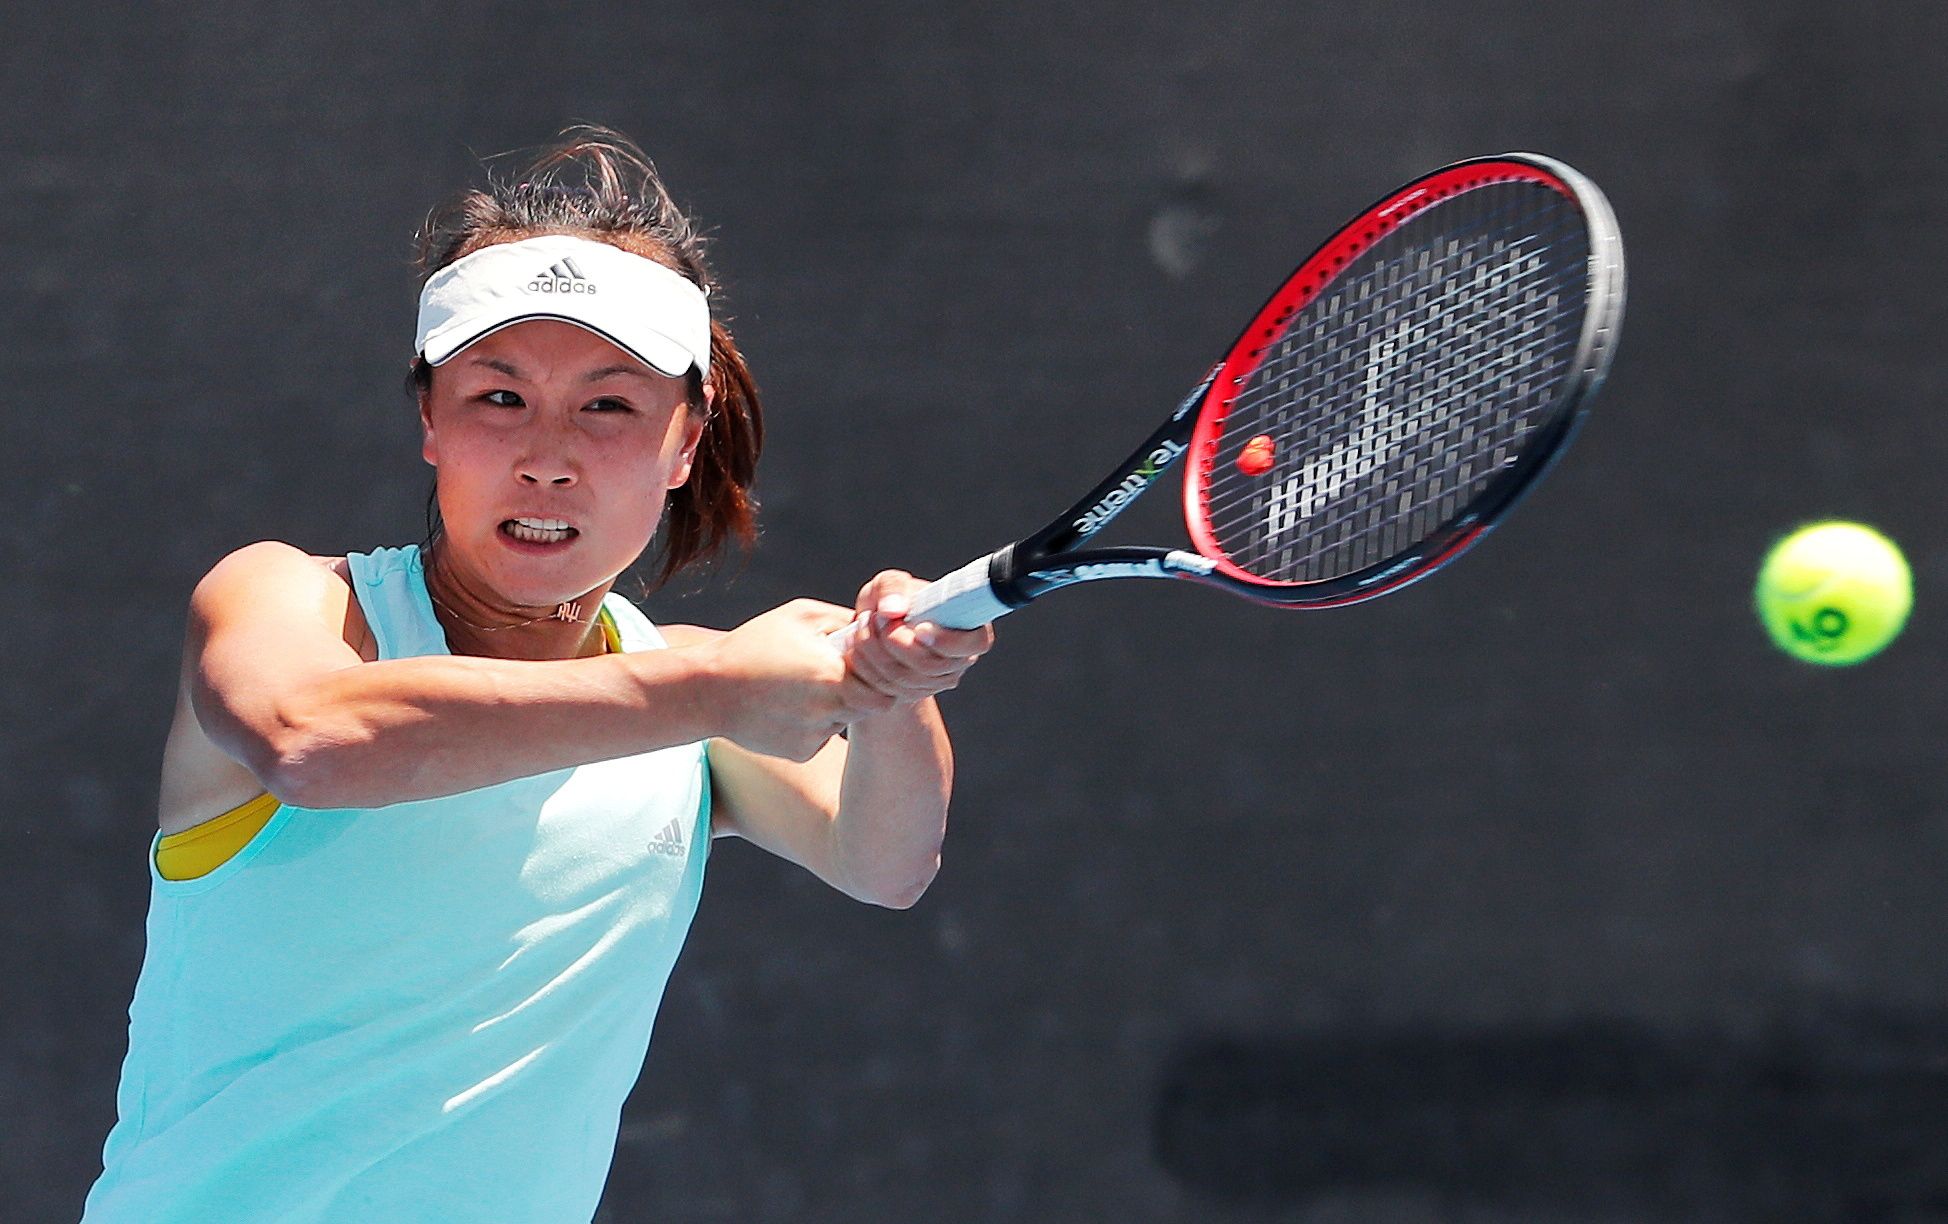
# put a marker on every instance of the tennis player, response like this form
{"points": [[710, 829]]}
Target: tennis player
{"points": [[434, 819]]}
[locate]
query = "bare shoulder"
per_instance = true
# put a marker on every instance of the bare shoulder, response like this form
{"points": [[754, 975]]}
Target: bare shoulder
{"points": [[265, 580], [688, 635], [271, 576], [276, 562]]}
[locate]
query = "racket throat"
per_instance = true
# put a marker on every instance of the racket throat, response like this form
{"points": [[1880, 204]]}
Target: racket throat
{"points": [[1158, 453]]}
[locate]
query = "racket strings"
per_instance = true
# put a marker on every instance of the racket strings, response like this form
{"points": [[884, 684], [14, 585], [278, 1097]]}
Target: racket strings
{"points": [[1286, 399], [1430, 391], [1397, 393]]}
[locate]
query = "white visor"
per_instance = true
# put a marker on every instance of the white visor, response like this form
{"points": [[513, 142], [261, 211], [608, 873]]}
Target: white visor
{"points": [[654, 314]]}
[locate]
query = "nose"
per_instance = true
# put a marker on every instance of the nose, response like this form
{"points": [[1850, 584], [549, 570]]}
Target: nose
{"points": [[548, 459]]}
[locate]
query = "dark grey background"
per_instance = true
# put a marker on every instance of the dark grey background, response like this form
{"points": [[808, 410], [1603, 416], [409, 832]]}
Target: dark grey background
{"points": [[1542, 891]]}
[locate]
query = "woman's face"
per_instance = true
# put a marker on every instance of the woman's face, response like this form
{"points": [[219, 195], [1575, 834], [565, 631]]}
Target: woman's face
{"points": [[547, 422]]}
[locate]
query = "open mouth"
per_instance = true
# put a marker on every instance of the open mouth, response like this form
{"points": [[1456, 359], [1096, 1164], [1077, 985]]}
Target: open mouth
{"points": [[538, 530]]}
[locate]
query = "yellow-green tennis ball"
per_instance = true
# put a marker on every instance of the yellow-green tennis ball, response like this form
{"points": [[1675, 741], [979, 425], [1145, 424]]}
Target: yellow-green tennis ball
{"points": [[1834, 593]]}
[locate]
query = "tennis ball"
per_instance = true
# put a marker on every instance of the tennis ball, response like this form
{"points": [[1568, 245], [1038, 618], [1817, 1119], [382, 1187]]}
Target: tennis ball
{"points": [[1834, 593]]}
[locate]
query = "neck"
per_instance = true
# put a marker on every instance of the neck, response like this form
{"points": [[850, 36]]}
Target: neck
{"points": [[480, 622]]}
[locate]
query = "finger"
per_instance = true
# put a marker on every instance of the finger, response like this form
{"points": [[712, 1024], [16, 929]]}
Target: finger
{"points": [[907, 653], [867, 662], [855, 630], [909, 673], [898, 586], [891, 607], [905, 649], [903, 689], [888, 675], [934, 646], [954, 643]]}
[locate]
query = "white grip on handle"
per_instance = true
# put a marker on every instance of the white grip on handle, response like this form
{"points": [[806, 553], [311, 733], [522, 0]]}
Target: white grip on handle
{"points": [[961, 600]]}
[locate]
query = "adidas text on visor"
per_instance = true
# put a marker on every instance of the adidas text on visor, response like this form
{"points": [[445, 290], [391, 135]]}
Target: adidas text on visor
{"points": [[643, 308]]}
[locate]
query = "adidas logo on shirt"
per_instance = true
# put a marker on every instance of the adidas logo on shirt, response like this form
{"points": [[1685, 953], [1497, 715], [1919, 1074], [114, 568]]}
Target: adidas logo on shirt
{"points": [[670, 840], [564, 277]]}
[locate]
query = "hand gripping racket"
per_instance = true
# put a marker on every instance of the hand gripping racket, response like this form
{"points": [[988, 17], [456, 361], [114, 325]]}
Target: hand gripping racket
{"points": [[1386, 407]]}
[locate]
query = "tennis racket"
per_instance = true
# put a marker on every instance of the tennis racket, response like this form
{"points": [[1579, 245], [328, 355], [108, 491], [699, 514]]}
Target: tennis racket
{"points": [[1385, 408]]}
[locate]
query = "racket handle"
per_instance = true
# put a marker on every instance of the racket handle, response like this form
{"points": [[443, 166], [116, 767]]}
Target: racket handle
{"points": [[964, 599]]}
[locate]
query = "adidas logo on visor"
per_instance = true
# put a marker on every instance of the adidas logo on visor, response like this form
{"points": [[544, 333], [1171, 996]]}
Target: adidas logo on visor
{"points": [[564, 277]]}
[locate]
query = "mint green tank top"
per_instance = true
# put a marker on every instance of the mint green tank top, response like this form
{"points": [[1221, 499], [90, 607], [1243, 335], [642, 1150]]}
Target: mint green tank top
{"points": [[425, 1012]]}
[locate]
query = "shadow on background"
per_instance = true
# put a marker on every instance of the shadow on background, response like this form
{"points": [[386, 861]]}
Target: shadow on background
{"points": [[1848, 1122]]}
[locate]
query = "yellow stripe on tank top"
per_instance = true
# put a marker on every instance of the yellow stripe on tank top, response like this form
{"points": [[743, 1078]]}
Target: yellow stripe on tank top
{"points": [[201, 849]]}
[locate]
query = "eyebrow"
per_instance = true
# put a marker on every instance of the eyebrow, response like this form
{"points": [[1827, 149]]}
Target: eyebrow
{"points": [[513, 371]]}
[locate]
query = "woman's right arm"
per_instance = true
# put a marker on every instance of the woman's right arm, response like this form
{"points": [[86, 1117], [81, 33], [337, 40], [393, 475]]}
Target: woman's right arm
{"points": [[274, 684]]}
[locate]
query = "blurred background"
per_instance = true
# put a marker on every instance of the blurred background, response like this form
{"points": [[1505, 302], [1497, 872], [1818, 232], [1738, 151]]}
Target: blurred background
{"points": [[1543, 891]]}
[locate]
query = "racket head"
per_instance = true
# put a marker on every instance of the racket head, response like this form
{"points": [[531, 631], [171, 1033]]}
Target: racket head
{"points": [[1407, 383]]}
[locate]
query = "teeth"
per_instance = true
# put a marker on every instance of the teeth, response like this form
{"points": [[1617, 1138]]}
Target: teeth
{"points": [[522, 529], [543, 524]]}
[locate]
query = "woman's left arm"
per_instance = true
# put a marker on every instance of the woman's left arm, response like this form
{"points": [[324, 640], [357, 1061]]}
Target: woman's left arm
{"points": [[867, 813]]}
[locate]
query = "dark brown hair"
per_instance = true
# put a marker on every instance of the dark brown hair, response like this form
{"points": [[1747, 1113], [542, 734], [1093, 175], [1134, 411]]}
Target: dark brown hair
{"points": [[596, 183]]}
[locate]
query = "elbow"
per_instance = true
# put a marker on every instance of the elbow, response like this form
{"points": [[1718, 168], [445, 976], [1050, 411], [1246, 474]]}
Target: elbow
{"points": [[904, 893], [303, 766], [293, 779], [274, 757], [292, 772], [904, 900], [282, 744], [320, 772]]}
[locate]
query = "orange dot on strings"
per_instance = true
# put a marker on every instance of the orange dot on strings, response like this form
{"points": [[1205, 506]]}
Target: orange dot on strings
{"points": [[1256, 458]]}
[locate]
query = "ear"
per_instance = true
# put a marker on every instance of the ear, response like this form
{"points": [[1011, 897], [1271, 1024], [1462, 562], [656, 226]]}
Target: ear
{"points": [[429, 449], [693, 426]]}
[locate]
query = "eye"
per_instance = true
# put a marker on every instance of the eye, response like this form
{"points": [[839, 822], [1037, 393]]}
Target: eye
{"points": [[503, 399], [610, 404]]}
